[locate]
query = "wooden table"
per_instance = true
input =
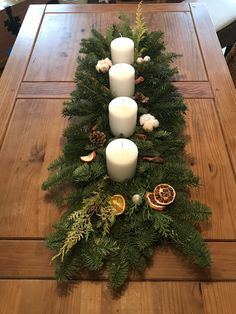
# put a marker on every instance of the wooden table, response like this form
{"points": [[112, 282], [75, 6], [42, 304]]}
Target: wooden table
{"points": [[37, 79]]}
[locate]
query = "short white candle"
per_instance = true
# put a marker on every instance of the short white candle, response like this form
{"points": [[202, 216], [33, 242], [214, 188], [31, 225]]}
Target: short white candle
{"points": [[121, 77], [121, 159], [122, 116], [122, 50]]}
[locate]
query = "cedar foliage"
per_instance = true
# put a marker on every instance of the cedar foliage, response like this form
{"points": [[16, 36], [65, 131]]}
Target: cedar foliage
{"points": [[89, 235]]}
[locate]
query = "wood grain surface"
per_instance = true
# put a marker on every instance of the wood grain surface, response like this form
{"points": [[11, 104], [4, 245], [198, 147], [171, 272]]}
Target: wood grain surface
{"points": [[219, 77], [16, 65], [63, 89], [32, 141], [95, 297], [212, 164], [31, 259], [91, 8], [57, 46], [219, 297], [37, 79]]}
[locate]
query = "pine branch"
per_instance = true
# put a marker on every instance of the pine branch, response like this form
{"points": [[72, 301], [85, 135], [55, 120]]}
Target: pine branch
{"points": [[97, 252], [189, 211], [162, 223], [60, 178], [118, 271], [189, 241], [86, 172]]}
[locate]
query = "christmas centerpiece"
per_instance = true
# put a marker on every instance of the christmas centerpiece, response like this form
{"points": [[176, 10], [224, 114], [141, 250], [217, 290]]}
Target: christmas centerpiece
{"points": [[122, 179]]}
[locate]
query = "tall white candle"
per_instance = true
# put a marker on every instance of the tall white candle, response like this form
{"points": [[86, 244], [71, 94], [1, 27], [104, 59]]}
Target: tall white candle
{"points": [[122, 116], [122, 50], [121, 77], [121, 159]]}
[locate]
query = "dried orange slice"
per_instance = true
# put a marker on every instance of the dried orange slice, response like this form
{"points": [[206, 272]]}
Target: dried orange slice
{"points": [[152, 203], [117, 201], [164, 194], [88, 158]]}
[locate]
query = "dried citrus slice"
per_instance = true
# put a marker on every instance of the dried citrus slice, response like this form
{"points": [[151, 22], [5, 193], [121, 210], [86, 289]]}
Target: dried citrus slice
{"points": [[88, 158], [152, 203], [164, 194], [118, 202]]}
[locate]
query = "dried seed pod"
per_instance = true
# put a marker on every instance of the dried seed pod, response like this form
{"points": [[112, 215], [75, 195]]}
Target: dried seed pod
{"points": [[141, 136], [139, 80], [156, 159]]}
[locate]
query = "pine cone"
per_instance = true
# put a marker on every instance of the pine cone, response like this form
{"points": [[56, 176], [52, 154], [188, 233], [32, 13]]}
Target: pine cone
{"points": [[98, 138], [140, 98]]}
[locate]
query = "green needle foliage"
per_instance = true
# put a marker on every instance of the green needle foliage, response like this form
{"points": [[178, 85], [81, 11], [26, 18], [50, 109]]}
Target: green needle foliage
{"points": [[89, 235]]}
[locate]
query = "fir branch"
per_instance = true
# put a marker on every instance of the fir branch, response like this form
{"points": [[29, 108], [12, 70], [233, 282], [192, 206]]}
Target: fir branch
{"points": [[162, 223], [97, 251], [96, 43], [60, 178], [187, 239], [86, 172], [57, 163], [188, 210], [118, 269], [70, 265]]}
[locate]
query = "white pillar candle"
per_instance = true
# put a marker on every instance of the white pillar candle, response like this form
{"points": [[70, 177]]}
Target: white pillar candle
{"points": [[121, 159], [122, 50], [122, 116], [121, 77]]}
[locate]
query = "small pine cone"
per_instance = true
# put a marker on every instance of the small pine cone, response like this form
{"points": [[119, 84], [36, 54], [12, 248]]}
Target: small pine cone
{"points": [[140, 98], [98, 138]]}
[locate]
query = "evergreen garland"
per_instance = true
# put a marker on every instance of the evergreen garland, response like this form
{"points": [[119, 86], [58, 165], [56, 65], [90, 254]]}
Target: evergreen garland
{"points": [[89, 235]]}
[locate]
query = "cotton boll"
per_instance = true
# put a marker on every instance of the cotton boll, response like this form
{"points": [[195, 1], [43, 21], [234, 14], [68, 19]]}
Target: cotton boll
{"points": [[148, 125], [108, 62], [148, 122], [103, 65], [145, 117], [104, 68], [155, 123]]}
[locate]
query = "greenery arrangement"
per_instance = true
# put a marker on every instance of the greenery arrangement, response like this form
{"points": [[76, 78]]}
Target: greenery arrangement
{"points": [[90, 235]]}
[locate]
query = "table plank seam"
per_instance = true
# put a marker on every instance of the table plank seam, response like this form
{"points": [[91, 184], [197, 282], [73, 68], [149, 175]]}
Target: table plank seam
{"points": [[4, 132], [199, 46], [88, 8], [33, 45], [220, 79], [224, 136]]}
